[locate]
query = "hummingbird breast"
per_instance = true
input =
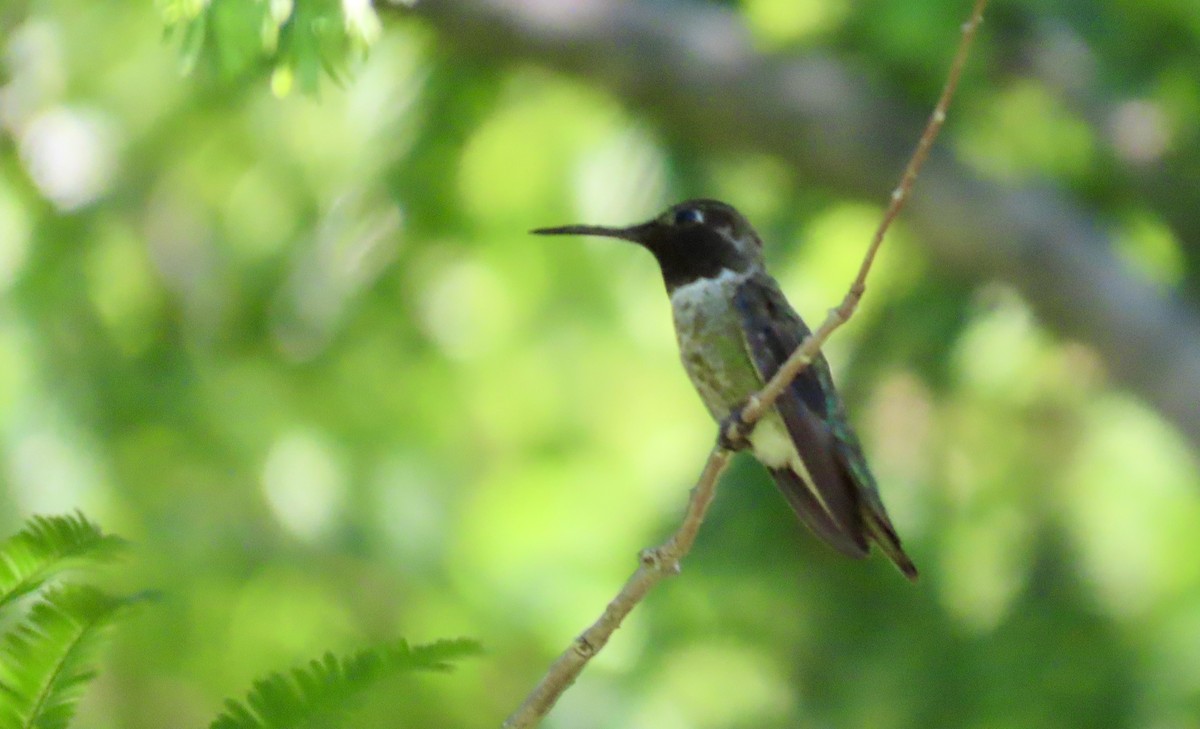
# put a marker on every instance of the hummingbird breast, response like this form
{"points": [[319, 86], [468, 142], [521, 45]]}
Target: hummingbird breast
{"points": [[712, 346], [711, 342]]}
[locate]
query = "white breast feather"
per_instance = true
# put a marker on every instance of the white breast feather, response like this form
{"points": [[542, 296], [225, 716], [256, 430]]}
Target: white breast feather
{"points": [[701, 291]]}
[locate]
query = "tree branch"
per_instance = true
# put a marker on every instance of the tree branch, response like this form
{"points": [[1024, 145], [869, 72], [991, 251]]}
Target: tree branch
{"points": [[663, 561], [656, 565], [694, 69]]}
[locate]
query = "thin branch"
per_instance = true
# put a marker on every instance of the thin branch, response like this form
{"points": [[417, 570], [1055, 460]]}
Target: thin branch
{"points": [[808, 349], [663, 561], [656, 565]]}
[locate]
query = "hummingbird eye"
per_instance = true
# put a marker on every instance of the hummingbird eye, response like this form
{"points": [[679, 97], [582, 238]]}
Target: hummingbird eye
{"points": [[688, 215]]}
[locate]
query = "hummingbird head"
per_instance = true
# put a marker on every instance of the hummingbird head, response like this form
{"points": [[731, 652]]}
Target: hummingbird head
{"points": [[692, 240]]}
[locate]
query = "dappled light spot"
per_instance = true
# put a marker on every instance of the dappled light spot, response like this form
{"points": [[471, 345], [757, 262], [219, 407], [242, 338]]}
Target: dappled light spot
{"points": [[410, 513], [49, 470], [778, 23], [1149, 245], [548, 539], [259, 215], [124, 288], [899, 432], [555, 15], [761, 185], [179, 238], [985, 557], [1025, 131], [716, 684], [35, 72], [71, 155], [283, 80], [356, 240], [304, 484], [1139, 131], [1001, 352], [502, 176], [362, 22], [622, 176], [1131, 502], [466, 309]]}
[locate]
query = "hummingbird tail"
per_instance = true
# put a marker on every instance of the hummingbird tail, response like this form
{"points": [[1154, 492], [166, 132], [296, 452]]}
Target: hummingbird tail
{"points": [[883, 534], [815, 517]]}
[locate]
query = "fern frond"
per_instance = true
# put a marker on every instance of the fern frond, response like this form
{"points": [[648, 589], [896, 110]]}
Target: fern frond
{"points": [[46, 659], [47, 545], [326, 689]]}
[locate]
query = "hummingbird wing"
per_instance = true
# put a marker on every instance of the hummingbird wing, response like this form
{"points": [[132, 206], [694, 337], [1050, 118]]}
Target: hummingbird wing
{"points": [[836, 496], [823, 495]]}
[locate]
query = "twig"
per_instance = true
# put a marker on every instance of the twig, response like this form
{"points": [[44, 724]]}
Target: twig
{"points": [[808, 349], [663, 561], [656, 565]]}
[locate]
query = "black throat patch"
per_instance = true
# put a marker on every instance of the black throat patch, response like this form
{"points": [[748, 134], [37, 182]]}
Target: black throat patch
{"points": [[690, 254]]}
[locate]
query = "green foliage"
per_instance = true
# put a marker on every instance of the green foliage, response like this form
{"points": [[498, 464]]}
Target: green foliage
{"points": [[296, 39], [320, 693], [48, 545], [46, 656], [46, 660]]}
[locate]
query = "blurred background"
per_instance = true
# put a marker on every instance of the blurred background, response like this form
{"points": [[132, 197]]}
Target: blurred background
{"points": [[289, 335]]}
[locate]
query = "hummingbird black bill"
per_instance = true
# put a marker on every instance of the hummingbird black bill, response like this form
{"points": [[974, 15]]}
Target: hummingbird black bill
{"points": [[635, 233]]}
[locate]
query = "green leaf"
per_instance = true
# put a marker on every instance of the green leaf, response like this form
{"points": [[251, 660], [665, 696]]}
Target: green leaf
{"points": [[45, 661], [47, 545], [327, 688]]}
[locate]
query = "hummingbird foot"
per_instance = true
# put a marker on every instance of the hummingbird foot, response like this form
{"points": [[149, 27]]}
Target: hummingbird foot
{"points": [[735, 432]]}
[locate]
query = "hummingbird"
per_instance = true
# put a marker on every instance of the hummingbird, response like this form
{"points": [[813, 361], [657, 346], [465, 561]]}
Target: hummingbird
{"points": [[735, 328]]}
